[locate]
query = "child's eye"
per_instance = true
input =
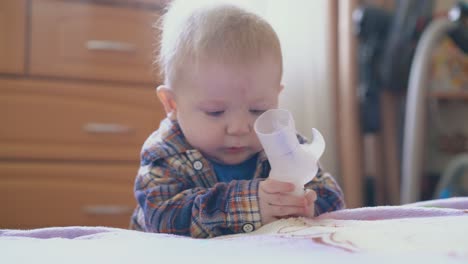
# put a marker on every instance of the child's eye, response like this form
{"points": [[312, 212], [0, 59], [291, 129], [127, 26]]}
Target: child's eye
{"points": [[257, 112], [214, 113]]}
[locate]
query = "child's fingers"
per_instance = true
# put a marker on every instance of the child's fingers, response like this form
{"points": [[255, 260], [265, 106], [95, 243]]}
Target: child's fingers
{"points": [[286, 200], [274, 186], [311, 196], [281, 211]]}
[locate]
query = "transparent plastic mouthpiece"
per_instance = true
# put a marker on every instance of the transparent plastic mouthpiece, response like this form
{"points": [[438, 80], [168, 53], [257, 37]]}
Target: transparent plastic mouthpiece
{"points": [[289, 160]]}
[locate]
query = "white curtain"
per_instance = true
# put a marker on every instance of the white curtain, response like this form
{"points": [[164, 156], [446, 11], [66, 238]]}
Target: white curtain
{"points": [[302, 26]]}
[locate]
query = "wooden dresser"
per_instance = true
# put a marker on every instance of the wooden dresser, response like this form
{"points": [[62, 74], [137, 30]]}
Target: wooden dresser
{"points": [[77, 101]]}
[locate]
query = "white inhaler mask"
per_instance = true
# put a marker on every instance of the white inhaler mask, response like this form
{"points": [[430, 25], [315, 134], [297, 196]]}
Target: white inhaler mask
{"points": [[290, 161]]}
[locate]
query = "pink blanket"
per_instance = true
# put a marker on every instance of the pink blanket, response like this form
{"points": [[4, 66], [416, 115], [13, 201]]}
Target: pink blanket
{"points": [[427, 232]]}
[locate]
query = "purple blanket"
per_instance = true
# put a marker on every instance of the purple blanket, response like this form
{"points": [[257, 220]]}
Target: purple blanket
{"points": [[427, 232]]}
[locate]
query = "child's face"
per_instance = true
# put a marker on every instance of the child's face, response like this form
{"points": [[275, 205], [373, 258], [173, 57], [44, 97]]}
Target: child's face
{"points": [[217, 105]]}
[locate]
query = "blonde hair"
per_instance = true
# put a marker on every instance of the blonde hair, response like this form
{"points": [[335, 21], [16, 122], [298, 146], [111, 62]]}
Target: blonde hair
{"points": [[222, 32]]}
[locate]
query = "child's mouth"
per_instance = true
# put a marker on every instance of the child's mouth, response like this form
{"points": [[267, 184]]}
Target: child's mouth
{"points": [[235, 150]]}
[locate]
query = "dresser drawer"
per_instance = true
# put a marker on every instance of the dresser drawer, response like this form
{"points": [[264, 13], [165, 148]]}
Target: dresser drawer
{"points": [[12, 32], [36, 195], [100, 42], [65, 121]]}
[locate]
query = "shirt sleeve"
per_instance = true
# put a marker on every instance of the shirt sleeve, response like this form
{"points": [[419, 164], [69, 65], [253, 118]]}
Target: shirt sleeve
{"points": [[171, 203], [329, 194]]}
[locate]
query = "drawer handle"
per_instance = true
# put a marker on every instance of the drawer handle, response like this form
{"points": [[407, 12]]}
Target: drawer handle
{"points": [[107, 209], [103, 128], [108, 45]]}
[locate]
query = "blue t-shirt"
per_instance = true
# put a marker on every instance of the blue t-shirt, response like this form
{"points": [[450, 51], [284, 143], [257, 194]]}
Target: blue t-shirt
{"points": [[243, 171]]}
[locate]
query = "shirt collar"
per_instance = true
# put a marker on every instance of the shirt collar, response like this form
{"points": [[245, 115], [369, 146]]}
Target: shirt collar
{"points": [[167, 141]]}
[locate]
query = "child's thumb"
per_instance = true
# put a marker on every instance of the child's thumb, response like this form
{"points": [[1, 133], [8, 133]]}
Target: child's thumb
{"points": [[311, 196]]}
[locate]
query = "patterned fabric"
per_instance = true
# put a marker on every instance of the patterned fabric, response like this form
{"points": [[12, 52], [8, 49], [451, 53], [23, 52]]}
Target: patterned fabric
{"points": [[178, 192]]}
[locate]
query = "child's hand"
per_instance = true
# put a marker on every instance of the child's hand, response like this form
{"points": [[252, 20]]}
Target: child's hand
{"points": [[276, 201], [311, 196]]}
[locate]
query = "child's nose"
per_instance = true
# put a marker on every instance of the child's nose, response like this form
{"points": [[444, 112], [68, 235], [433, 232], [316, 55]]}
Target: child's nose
{"points": [[239, 126]]}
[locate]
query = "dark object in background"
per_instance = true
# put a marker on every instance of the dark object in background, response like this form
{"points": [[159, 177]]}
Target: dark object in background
{"points": [[371, 26], [387, 43], [410, 20], [428, 185], [459, 15]]}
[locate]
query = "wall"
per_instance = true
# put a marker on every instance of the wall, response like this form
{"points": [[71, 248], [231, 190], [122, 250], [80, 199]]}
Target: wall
{"points": [[308, 93]]}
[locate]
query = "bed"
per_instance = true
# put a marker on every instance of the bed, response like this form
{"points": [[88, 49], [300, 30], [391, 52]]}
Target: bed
{"points": [[433, 231]]}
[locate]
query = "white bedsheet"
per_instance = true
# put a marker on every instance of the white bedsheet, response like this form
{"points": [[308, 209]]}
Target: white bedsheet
{"points": [[397, 234]]}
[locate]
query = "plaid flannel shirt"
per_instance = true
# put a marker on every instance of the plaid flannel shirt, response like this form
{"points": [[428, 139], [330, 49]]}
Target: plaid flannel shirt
{"points": [[178, 192]]}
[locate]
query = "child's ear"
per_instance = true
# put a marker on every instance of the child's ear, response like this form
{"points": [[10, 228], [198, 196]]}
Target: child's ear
{"points": [[166, 96]]}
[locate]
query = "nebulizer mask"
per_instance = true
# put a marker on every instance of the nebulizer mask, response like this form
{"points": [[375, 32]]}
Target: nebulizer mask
{"points": [[290, 161]]}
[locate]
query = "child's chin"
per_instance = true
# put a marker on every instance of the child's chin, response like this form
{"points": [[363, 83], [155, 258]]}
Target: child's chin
{"points": [[233, 160]]}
